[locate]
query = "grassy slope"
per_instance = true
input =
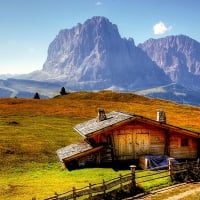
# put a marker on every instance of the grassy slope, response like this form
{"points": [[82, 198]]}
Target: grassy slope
{"points": [[32, 130]]}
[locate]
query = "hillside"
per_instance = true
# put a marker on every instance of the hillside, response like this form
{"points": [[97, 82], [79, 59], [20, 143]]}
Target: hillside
{"points": [[32, 130], [85, 104]]}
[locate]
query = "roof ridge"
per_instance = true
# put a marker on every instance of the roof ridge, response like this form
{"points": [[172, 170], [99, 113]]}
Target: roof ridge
{"points": [[123, 112]]}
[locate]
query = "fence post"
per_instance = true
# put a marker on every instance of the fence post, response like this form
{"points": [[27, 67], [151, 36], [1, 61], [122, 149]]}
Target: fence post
{"points": [[56, 195], [121, 186], [90, 191], [171, 173], [133, 175], [104, 188], [74, 193], [188, 171]]}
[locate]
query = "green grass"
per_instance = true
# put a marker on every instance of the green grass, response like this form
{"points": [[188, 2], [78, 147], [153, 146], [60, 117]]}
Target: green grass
{"points": [[29, 164], [42, 181], [148, 179], [32, 130], [34, 138], [28, 152]]}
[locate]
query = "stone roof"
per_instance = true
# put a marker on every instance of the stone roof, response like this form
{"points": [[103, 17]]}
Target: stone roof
{"points": [[94, 125], [116, 117], [73, 149]]}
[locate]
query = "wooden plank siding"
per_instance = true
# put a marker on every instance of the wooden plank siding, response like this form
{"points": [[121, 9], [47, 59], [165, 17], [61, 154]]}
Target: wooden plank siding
{"points": [[157, 142], [133, 140], [181, 151]]}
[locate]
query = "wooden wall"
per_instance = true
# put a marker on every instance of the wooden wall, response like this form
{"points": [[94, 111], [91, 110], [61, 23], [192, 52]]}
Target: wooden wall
{"points": [[180, 150], [136, 139]]}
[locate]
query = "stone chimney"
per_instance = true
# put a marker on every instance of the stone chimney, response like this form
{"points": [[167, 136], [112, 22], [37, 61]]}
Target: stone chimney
{"points": [[161, 117], [101, 115]]}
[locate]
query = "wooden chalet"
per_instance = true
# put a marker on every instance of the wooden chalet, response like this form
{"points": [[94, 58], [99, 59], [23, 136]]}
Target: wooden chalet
{"points": [[118, 137]]}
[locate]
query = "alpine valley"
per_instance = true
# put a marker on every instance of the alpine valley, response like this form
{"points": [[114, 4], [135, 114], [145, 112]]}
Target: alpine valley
{"points": [[93, 56]]}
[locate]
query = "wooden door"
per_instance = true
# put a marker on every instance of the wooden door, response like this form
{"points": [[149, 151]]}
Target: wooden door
{"points": [[124, 148], [142, 144]]}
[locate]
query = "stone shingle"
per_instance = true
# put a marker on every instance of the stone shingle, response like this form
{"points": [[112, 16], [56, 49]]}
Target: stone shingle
{"points": [[94, 125], [73, 149]]}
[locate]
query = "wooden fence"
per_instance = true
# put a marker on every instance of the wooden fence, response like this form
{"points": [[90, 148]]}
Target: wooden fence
{"points": [[97, 191], [185, 171], [127, 182]]}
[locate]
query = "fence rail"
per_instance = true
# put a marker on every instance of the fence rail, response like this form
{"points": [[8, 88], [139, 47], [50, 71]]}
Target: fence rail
{"points": [[121, 182], [93, 189]]}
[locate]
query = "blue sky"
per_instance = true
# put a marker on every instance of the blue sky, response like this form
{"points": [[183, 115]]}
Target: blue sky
{"points": [[28, 26]]}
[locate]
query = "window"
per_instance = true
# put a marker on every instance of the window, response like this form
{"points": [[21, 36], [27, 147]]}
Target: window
{"points": [[184, 142]]}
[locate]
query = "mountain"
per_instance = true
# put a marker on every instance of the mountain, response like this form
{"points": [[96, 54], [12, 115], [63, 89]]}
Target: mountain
{"points": [[178, 56], [27, 88], [94, 56], [173, 92]]}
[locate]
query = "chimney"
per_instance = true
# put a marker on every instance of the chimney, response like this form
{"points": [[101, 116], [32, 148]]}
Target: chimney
{"points": [[101, 115], [161, 117]]}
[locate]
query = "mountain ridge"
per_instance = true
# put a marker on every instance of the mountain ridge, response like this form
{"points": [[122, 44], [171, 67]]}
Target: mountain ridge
{"points": [[94, 51], [93, 56], [178, 56]]}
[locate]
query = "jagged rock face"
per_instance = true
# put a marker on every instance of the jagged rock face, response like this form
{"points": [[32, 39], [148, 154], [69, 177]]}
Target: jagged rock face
{"points": [[93, 56], [178, 56], [95, 52], [80, 53]]}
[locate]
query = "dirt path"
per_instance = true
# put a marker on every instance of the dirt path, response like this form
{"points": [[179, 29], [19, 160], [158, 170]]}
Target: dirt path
{"points": [[185, 191], [185, 194]]}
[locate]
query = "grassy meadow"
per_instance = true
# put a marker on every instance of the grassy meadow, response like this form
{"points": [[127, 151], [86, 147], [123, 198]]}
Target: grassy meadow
{"points": [[32, 130]]}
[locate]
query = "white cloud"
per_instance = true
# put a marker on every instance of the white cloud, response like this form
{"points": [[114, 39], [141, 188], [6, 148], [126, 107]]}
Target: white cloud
{"points": [[160, 28], [98, 3]]}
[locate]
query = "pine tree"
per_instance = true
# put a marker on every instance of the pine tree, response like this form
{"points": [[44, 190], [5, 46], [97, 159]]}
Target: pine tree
{"points": [[63, 91], [36, 96]]}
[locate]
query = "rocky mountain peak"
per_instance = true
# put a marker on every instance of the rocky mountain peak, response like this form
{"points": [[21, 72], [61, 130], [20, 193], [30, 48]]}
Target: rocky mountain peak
{"points": [[177, 55], [73, 47], [95, 52]]}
